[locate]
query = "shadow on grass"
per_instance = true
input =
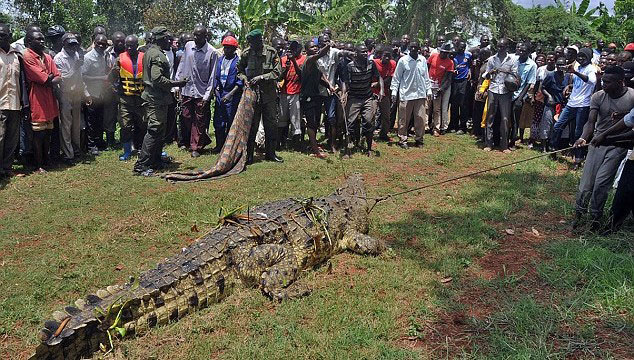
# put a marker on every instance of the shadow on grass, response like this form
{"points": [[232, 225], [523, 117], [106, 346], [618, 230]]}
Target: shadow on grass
{"points": [[447, 235], [590, 274]]}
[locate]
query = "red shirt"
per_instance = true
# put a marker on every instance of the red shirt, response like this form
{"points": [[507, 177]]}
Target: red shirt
{"points": [[386, 71], [438, 67], [42, 101], [292, 82]]}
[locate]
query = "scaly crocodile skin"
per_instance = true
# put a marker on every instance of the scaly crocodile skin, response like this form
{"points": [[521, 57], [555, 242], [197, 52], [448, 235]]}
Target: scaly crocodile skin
{"points": [[268, 250]]}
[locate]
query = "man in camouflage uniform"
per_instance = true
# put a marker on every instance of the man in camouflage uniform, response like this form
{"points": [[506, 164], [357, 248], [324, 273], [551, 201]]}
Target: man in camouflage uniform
{"points": [[156, 98], [260, 68]]}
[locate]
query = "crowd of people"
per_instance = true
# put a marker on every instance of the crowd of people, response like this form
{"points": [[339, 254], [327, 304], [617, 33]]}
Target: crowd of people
{"points": [[60, 101]]}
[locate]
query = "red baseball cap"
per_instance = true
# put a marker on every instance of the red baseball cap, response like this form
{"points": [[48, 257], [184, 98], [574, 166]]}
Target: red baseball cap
{"points": [[230, 40], [629, 47]]}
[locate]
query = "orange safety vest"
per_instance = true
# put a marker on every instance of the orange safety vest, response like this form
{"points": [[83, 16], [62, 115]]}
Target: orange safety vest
{"points": [[132, 84]]}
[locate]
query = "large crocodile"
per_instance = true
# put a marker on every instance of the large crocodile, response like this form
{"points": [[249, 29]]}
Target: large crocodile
{"points": [[267, 248]]}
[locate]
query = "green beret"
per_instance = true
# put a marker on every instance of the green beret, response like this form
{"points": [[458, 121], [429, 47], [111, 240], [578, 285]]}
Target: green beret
{"points": [[159, 32], [254, 33]]}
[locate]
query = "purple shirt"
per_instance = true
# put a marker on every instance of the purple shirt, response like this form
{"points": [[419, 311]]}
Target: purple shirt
{"points": [[197, 64]]}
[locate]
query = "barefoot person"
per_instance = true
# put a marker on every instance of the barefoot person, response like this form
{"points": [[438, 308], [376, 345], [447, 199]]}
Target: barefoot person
{"points": [[310, 95], [499, 96], [41, 76]]}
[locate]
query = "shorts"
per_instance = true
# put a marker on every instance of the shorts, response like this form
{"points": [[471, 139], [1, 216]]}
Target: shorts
{"points": [[312, 111], [41, 126]]}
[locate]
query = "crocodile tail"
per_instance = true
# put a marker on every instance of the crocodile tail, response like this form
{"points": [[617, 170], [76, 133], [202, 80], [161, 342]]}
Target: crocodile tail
{"points": [[233, 156], [197, 277]]}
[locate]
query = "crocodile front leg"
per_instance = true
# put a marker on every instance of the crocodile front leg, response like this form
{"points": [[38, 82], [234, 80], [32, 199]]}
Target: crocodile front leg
{"points": [[362, 244], [274, 268]]}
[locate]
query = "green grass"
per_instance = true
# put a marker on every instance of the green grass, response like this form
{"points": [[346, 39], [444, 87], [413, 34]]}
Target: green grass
{"points": [[66, 233]]}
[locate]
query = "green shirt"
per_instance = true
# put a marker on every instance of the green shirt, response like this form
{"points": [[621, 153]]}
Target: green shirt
{"points": [[265, 63], [156, 77]]}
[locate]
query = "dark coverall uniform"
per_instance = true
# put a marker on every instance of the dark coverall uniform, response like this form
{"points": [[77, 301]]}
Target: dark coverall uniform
{"points": [[156, 99]]}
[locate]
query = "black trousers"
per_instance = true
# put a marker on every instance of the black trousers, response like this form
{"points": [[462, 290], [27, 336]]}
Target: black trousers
{"points": [[94, 125], [498, 103], [55, 142], [478, 111], [623, 203], [171, 129], [268, 113], [517, 106], [459, 111]]}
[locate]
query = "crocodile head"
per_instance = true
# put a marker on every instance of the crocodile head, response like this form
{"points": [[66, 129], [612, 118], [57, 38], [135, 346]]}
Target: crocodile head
{"points": [[354, 192]]}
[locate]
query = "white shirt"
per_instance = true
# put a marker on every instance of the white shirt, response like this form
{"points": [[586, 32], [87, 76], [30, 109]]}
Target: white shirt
{"points": [[72, 82], [10, 80], [506, 65], [224, 70], [328, 66], [581, 90], [411, 78], [542, 71]]}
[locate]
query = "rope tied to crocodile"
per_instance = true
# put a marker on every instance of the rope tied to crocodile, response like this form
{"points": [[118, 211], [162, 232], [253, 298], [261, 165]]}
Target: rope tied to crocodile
{"points": [[379, 199]]}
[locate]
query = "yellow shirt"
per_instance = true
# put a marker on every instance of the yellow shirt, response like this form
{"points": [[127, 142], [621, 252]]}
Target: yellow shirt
{"points": [[10, 80]]}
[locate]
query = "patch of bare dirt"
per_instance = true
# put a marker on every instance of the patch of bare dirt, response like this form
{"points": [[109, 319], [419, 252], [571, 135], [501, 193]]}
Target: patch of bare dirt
{"points": [[452, 332]]}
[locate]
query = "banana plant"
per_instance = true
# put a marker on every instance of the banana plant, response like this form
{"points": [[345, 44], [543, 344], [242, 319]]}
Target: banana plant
{"points": [[581, 10], [273, 16]]}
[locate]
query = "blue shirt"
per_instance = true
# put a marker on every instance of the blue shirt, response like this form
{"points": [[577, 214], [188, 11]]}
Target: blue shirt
{"points": [[528, 75], [463, 63], [555, 89]]}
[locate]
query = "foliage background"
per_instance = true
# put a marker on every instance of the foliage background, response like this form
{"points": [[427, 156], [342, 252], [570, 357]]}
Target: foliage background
{"points": [[350, 20]]}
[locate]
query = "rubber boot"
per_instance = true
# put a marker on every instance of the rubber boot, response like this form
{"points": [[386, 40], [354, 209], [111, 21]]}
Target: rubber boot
{"points": [[127, 151]]}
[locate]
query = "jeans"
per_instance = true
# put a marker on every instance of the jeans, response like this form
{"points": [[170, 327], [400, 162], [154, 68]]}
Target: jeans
{"points": [[580, 115]]}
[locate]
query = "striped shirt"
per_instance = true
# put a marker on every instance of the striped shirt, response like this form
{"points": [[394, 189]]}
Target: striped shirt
{"points": [[359, 79]]}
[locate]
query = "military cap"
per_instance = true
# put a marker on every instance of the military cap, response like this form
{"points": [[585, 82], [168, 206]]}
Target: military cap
{"points": [[254, 33], [159, 32]]}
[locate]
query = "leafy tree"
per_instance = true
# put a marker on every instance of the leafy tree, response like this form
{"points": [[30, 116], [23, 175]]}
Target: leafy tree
{"points": [[273, 16], [123, 15], [548, 25], [617, 27], [182, 15], [74, 15]]}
